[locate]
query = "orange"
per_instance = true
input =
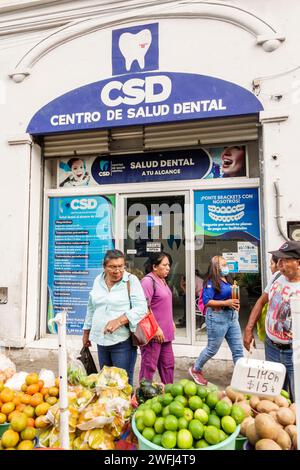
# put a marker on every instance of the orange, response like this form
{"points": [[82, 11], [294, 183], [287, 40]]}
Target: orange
{"points": [[57, 382], [24, 388], [53, 391], [42, 409], [25, 445], [41, 384], [20, 407], [36, 399], [41, 422], [2, 418], [19, 422], [25, 399], [51, 400], [6, 395], [31, 422], [8, 407], [32, 378], [44, 391], [16, 400], [29, 411], [10, 438], [32, 389], [12, 414]]}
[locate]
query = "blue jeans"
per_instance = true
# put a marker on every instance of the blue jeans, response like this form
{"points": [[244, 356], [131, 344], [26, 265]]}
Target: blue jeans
{"points": [[122, 355], [285, 357], [219, 325]]}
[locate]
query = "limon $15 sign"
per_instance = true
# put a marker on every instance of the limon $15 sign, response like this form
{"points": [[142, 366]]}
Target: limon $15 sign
{"points": [[258, 377]]}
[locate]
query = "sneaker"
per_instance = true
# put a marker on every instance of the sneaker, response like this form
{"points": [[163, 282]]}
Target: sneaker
{"points": [[197, 376]]}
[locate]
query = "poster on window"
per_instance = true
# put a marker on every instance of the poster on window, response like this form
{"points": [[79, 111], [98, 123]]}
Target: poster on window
{"points": [[231, 216], [80, 233], [214, 162]]}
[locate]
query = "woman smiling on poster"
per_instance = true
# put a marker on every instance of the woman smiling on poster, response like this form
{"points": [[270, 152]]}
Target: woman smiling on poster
{"points": [[233, 162]]}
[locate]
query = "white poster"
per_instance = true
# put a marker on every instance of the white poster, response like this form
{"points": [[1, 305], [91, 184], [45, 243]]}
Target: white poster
{"points": [[248, 257]]}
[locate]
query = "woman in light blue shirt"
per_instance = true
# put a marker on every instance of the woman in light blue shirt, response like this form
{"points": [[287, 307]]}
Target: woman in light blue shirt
{"points": [[111, 314]]}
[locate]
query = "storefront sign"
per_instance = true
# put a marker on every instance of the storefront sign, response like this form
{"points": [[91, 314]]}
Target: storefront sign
{"points": [[215, 162], [80, 232], [139, 93]]}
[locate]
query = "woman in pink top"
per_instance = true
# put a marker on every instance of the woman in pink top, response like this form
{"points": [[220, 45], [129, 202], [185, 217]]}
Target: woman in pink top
{"points": [[158, 353]]}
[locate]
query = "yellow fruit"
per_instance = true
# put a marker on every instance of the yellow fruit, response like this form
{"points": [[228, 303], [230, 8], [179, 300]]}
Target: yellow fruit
{"points": [[2, 418], [6, 395], [1, 385], [25, 445], [29, 411], [24, 388], [12, 414], [53, 392], [36, 399], [51, 400], [57, 382], [42, 409], [32, 378], [41, 422], [8, 407], [10, 438], [32, 389], [19, 422], [25, 399], [28, 434]]}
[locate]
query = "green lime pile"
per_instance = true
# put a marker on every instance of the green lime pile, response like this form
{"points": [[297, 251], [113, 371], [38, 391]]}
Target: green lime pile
{"points": [[187, 416]]}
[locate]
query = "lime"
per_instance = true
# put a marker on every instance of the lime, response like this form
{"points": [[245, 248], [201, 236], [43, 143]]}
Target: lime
{"points": [[168, 388], [168, 398], [171, 423], [159, 425], [168, 439], [212, 388], [184, 439], [188, 414], [190, 388], [213, 412], [149, 418], [238, 414], [223, 436], [196, 428], [201, 415], [181, 399], [157, 439], [202, 391], [142, 407], [139, 413], [206, 408], [223, 408], [183, 381], [201, 444], [183, 423], [148, 403], [176, 409], [166, 411], [228, 424], [285, 394], [160, 398], [140, 424], [154, 399], [214, 420], [156, 407], [212, 435], [176, 389], [195, 402], [212, 399], [148, 433]]}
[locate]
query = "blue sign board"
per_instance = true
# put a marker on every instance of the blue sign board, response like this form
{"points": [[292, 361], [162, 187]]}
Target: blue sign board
{"points": [[80, 232], [143, 98], [227, 213]]}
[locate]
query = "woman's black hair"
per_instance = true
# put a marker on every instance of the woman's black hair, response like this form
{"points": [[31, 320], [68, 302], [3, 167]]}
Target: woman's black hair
{"points": [[155, 259], [214, 274], [112, 254]]}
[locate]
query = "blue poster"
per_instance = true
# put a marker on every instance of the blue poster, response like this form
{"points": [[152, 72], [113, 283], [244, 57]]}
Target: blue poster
{"points": [[80, 232], [227, 213]]}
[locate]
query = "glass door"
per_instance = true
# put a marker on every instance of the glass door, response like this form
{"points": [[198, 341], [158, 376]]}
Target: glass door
{"points": [[157, 222]]}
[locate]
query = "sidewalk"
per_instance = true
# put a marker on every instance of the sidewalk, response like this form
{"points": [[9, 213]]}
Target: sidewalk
{"points": [[216, 371]]}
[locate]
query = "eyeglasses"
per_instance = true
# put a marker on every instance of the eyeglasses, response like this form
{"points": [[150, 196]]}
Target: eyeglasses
{"points": [[115, 268]]}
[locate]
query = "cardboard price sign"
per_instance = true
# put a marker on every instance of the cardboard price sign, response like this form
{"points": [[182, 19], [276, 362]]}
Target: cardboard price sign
{"points": [[257, 377]]}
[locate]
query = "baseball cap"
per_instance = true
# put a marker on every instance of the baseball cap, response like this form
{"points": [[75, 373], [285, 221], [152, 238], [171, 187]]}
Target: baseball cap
{"points": [[290, 249]]}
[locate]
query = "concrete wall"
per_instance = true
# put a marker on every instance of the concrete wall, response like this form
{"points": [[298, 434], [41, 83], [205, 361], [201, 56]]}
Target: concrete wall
{"points": [[58, 56]]}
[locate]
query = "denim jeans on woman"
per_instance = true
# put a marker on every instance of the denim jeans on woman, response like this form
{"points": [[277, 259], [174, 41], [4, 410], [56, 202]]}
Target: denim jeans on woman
{"points": [[122, 355], [285, 357], [219, 325]]}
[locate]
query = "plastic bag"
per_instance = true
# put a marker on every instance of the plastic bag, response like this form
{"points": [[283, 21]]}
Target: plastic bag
{"points": [[7, 368], [87, 360], [48, 377], [16, 381]]}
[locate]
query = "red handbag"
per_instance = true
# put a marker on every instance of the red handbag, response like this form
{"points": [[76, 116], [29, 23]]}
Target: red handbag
{"points": [[146, 328]]}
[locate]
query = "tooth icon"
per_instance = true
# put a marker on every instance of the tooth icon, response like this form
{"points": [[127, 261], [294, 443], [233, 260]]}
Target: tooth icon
{"points": [[134, 47]]}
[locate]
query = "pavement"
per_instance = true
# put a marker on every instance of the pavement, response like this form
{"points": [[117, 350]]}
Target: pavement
{"points": [[216, 371]]}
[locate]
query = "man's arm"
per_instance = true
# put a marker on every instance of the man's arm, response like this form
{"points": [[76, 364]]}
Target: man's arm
{"points": [[253, 318]]}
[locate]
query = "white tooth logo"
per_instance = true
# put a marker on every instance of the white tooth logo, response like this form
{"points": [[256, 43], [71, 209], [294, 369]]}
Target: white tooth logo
{"points": [[237, 213], [134, 47]]}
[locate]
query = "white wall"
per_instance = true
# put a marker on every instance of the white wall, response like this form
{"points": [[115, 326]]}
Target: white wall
{"points": [[203, 46]]}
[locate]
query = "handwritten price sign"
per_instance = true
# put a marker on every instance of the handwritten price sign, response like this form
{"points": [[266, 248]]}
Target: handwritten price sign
{"points": [[258, 377]]}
